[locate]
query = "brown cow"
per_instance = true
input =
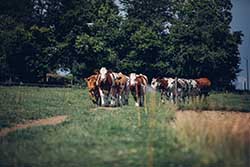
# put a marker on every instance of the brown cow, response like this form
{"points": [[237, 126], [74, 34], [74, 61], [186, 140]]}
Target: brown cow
{"points": [[93, 89], [122, 88], [204, 85]]}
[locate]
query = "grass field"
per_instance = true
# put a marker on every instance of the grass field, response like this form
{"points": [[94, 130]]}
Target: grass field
{"points": [[221, 101], [156, 135]]}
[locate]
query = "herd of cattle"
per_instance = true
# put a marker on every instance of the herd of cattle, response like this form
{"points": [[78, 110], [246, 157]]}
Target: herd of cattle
{"points": [[108, 88]]}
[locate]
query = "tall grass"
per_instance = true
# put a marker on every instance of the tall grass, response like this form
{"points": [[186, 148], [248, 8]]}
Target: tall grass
{"points": [[220, 139]]}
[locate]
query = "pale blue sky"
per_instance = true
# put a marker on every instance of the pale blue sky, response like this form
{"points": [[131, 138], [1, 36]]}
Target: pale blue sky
{"points": [[241, 22]]}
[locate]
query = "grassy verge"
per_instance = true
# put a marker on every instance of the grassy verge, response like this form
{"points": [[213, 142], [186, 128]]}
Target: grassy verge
{"points": [[220, 101]]}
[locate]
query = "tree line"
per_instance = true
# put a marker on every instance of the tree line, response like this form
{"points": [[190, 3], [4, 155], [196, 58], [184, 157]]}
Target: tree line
{"points": [[183, 38]]}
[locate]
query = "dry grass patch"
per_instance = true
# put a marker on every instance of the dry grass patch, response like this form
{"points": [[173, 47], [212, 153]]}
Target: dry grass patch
{"points": [[217, 136]]}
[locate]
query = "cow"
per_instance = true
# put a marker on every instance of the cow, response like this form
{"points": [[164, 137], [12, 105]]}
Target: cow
{"points": [[162, 85], [122, 89], [203, 86], [106, 86], [178, 89], [93, 89], [138, 85], [193, 89]]}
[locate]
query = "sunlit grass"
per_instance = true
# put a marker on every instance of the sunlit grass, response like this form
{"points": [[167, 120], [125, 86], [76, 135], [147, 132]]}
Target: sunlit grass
{"points": [[154, 135]]}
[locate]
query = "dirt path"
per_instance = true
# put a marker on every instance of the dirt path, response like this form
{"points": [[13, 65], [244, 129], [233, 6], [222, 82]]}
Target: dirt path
{"points": [[105, 108], [40, 122]]}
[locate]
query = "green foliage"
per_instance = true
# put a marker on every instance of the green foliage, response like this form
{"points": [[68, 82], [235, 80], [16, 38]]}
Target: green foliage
{"points": [[97, 48], [159, 38], [44, 51], [204, 44], [14, 45]]}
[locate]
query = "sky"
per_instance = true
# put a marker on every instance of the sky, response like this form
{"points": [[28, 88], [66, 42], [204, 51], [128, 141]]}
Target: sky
{"points": [[241, 22]]}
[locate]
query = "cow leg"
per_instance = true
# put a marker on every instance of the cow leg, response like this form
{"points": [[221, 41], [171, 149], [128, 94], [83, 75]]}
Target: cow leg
{"points": [[97, 98], [173, 96], [162, 96], [142, 95], [98, 101], [137, 90], [142, 100], [137, 101], [126, 96], [113, 97], [121, 99], [121, 96], [112, 101], [102, 98], [167, 95], [118, 99], [184, 96], [120, 103]]}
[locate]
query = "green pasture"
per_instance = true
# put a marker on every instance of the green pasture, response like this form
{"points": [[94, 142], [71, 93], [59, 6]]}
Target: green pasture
{"points": [[220, 101], [125, 136]]}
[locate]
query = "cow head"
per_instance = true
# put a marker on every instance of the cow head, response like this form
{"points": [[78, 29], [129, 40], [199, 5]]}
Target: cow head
{"points": [[103, 74], [91, 82], [155, 83], [132, 79], [193, 83], [171, 83]]}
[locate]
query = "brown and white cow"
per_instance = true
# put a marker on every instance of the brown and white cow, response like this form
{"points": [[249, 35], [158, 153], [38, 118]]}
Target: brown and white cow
{"points": [[162, 85], [106, 86], [93, 89], [138, 85], [171, 88]]}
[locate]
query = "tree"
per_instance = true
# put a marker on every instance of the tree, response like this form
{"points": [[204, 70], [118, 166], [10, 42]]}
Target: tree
{"points": [[184, 38], [145, 32], [14, 39], [203, 45], [97, 47]]}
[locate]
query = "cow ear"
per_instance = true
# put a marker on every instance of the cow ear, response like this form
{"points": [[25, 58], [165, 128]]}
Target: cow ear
{"points": [[86, 79]]}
